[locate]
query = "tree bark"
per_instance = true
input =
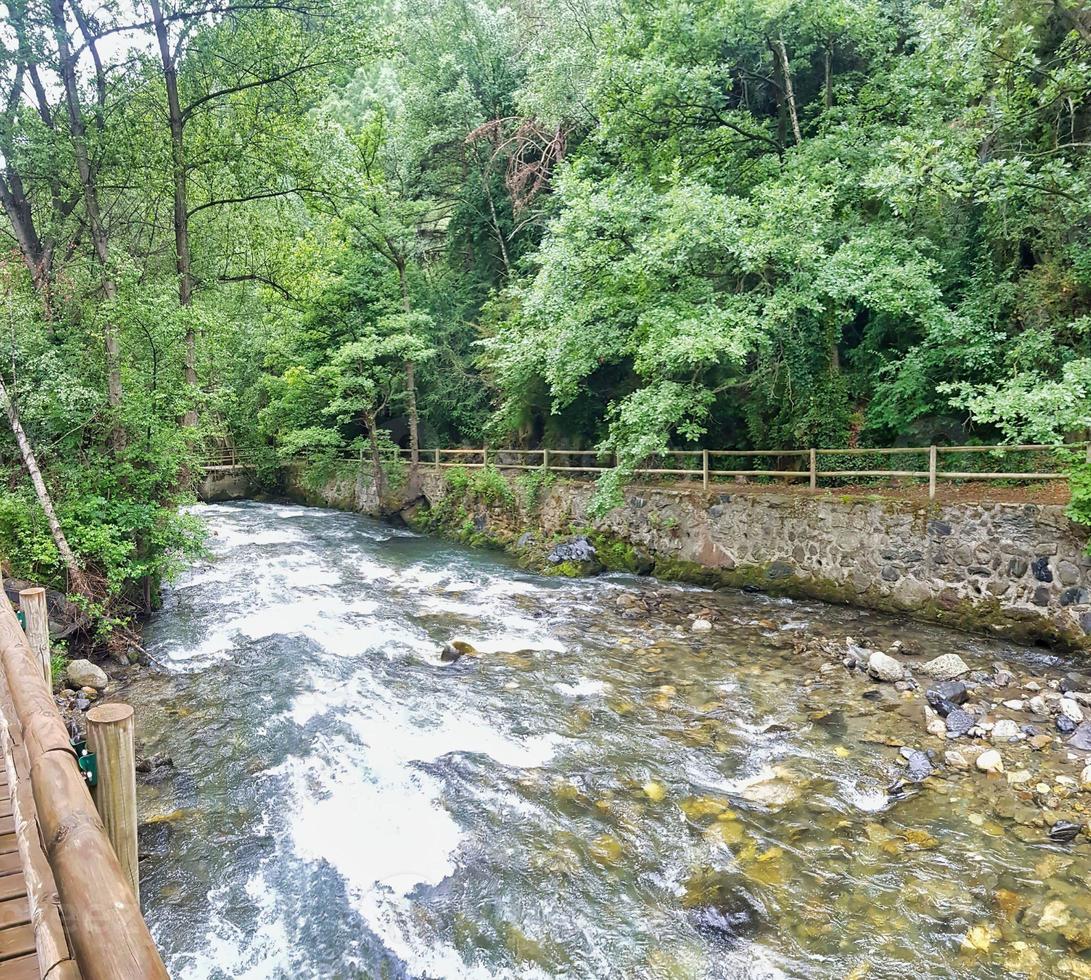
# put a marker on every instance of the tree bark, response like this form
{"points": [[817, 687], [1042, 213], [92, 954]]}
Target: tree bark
{"points": [[75, 573], [789, 92], [181, 214], [376, 461], [410, 382], [99, 236]]}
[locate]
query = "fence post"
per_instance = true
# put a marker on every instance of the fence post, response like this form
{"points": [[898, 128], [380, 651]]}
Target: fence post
{"points": [[36, 613], [1089, 447], [704, 467], [484, 457], [814, 470], [437, 459], [545, 459], [931, 472], [110, 737]]}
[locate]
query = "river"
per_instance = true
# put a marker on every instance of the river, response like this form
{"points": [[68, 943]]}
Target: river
{"points": [[600, 792]]}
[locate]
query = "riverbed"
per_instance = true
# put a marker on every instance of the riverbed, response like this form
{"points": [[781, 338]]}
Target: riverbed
{"points": [[598, 789]]}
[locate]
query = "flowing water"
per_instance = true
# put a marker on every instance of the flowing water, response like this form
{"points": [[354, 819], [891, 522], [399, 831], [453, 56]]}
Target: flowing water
{"points": [[599, 793]]}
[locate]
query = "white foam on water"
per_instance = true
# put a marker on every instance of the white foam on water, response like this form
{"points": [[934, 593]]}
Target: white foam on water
{"points": [[365, 807], [583, 688], [226, 949]]}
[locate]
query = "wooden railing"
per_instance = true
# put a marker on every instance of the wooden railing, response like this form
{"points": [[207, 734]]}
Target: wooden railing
{"points": [[706, 464], [73, 874]]}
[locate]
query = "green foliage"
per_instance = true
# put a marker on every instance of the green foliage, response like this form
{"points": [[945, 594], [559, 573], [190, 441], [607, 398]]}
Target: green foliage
{"points": [[1079, 482], [489, 486], [533, 486]]}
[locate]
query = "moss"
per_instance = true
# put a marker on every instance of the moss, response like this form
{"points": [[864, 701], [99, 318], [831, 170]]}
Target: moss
{"points": [[566, 569]]}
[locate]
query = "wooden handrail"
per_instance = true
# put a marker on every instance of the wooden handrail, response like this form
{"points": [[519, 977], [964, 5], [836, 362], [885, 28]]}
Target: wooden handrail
{"points": [[101, 914], [555, 459]]}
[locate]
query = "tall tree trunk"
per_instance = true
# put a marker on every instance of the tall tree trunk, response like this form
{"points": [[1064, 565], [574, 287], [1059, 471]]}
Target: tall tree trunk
{"points": [[789, 92], [99, 236], [410, 384], [181, 212], [76, 579], [376, 461]]}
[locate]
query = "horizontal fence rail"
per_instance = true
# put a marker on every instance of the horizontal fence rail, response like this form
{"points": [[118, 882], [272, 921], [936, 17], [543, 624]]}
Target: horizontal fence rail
{"points": [[708, 464]]}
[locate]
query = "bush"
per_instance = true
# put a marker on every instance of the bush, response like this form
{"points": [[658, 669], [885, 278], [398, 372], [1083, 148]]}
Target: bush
{"points": [[488, 484]]}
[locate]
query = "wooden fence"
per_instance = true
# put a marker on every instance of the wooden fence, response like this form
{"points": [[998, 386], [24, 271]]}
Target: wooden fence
{"points": [[706, 464]]}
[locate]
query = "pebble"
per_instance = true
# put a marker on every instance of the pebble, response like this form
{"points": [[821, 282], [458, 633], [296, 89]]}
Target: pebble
{"points": [[1037, 705], [700, 626], [1014, 705], [990, 761], [1065, 725], [1040, 742], [1081, 738]]}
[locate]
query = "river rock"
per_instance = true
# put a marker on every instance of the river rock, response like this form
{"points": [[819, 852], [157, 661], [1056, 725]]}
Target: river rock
{"points": [[990, 761], [917, 762], [1081, 737], [941, 706], [1037, 705], [700, 626], [579, 551], [1005, 730], [884, 668], [1063, 831], [945, 668], [933, 723], [959, 722], [455, 649], [1065, 725], [948, 691], [1085, 778], [83, 673], [1070, 709]]}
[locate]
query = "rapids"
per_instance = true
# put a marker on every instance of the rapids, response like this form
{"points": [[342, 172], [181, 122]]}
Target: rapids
{"points": [[596, 794]]}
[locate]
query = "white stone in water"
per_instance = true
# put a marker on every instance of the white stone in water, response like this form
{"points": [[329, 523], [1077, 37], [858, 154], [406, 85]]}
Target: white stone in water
{"points": [[83, 673], [945, 668], [1037, 705], [1070, 709], [933, 723], [700, 626], [1004, 730], [883, 667], [990, 761], [1085, 778], [1014, 705]]}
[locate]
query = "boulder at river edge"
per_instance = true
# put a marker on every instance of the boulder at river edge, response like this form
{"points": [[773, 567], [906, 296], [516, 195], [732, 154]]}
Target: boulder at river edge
{"points": [[83, 673], [883, 667], [945, 668]]}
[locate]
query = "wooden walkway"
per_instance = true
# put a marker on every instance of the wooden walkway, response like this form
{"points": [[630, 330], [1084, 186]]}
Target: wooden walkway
{"points": [[18, 953]]}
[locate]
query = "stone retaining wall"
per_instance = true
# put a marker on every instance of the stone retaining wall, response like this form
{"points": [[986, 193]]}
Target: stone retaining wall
{"points": [[1016, 570], [1019, 570]]}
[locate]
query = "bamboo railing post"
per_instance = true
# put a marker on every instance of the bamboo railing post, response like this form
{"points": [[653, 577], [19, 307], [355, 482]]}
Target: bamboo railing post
{"points": [[545, 459], [814, 470], [704, 468], [437, 459], [110, 737], [931, 472], [36, 613]]}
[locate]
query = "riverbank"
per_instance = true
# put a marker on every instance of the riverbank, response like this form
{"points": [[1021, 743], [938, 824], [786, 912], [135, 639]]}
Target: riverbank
{"points": [[1016, 570]]}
